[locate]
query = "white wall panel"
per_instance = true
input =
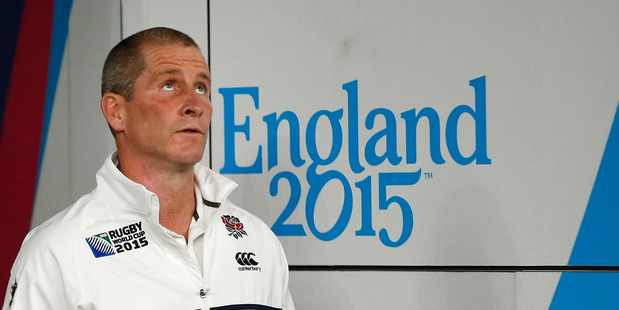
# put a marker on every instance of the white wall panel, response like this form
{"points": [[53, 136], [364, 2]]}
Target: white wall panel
{"points": [[547, 119]]}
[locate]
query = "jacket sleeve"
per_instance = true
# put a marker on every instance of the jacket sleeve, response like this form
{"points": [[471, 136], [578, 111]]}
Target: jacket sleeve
{"points": [[36, 281]]}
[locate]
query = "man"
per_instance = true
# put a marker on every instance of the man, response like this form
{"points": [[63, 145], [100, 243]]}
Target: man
{"points": [[158, 231]]}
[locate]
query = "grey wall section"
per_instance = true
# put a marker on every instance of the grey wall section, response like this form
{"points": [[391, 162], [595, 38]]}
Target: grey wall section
{"points": [[423, 290], [416, 290], [78, 138]]}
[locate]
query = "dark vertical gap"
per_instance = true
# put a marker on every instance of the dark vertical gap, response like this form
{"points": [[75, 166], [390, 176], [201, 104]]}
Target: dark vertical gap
{"points": [[121, 19], [10, 21], [208, 59]]}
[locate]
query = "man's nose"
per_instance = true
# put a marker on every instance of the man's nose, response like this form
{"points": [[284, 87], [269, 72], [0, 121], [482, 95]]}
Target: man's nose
{"points": [[193, 105]]}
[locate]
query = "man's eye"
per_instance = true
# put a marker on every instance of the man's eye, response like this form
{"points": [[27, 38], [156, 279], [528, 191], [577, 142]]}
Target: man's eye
{"points": [[168, 86], [201, 90]]}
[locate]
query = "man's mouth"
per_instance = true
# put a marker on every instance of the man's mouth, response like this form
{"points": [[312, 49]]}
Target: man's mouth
{"points": [[191, 130]]}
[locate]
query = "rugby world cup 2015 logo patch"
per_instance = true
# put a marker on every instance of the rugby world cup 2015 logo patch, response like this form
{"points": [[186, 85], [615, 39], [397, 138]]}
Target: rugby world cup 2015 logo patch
{"points": [[101, 245], [119, 240]]}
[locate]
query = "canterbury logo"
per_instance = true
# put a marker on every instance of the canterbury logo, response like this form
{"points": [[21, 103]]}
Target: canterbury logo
{"points": [[245, 259]]}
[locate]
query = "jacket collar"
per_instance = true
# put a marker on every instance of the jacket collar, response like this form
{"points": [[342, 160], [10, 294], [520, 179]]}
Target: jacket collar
{"points": [[115, 187]]}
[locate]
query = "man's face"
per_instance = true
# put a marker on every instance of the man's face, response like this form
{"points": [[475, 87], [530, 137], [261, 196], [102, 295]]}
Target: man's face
{"points": [[168, 119]]}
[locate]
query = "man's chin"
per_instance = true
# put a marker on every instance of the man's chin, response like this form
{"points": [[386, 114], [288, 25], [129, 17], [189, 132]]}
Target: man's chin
{"points": [[190, 158]]}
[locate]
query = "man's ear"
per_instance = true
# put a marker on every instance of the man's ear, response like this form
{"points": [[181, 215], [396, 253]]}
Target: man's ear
{"points": [[113, 106]]}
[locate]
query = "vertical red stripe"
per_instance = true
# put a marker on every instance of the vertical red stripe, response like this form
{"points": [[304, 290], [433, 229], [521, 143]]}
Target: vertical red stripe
{"points": [[21, 133]]}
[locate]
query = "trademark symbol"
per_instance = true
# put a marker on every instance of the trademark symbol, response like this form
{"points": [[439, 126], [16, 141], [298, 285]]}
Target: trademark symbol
{"points": [[428, 175]]}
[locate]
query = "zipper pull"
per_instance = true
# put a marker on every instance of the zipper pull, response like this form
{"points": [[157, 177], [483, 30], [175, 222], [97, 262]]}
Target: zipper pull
{"points": [[203, 293]]}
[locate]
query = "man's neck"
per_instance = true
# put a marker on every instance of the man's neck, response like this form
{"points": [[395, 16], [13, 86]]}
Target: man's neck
{"points": [[174, 187]]}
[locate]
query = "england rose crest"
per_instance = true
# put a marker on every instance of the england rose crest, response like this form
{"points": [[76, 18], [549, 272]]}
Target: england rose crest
{"points": [[234, 226]]}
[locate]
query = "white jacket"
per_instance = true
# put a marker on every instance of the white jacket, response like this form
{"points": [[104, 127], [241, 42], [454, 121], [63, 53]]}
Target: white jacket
{"points": [[108, 251]]}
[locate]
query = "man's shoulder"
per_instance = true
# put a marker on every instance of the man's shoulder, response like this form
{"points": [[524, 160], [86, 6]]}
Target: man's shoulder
{"points": [[59, 232]]}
